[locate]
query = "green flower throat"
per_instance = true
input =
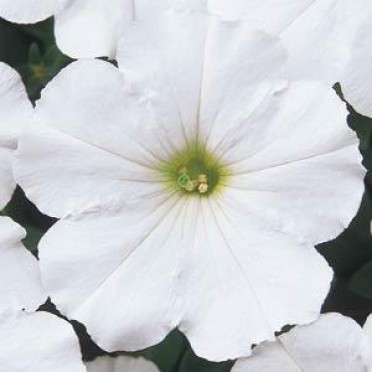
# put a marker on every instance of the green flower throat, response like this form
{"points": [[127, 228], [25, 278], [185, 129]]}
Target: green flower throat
{"points": [[194, 171]]}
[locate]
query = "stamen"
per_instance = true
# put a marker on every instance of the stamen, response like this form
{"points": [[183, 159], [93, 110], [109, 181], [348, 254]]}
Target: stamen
{"points": [[184, 181], [191, 185], [202, 178], [203, 188], [194, 172]]}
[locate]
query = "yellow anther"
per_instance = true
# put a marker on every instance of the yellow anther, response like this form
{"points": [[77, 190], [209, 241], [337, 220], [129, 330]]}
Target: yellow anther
{"points": [[202, 178], [203, 188], [191, 185]]}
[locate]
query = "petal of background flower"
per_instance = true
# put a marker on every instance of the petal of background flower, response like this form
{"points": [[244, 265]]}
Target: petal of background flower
{"points": [[269, 15], [15, 111], [86, 29], [242, 281], [318, 34], [282, 158], [121, 363], [356, 82], [84, 151], [29, 11], [117, 273], [20, 284], [39, 342], [332, 343], [320, 40], [7, 183], [367, 344]]}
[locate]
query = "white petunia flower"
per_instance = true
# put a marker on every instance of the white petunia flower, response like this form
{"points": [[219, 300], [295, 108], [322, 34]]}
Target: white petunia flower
{"points": [[121, 364], [333, 343], [191, 188], [326, 39], [15, 110], [30, 11], [88, 28], [36, 342]]}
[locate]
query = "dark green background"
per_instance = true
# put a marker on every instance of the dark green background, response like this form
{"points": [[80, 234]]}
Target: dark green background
{"points": [[32, 51]]}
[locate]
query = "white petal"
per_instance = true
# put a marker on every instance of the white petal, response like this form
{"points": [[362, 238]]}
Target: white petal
{"points": [[356, 81], [197, 64], [282, 160], [168, 269], [15, 111], [87, 29], [89, 135], [117, 274], [20, 285], [15, 107], [38, 342], [238, 63], [300, 198], [367, 344], [319, 41], [171, 82], [270, 15], [332, 343], [121, 364], [7, 183], [243, 281], [29, 11], [318, 34]]}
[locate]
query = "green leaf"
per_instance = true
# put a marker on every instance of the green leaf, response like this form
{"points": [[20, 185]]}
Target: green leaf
{"points": [[361, 283], [168, 353], [190, 362], [344, 300], [32, 238], [14, 44], [353, 247], [34, 54]]}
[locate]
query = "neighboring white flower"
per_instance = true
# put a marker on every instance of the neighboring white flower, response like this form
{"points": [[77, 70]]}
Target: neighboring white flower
{"points": [[357, 82], [20, 284], [33, 342], [121, 364], [15, 110], [29, 11], [318, 34], [326, 39], [367, 344], [39, 342], [191, 188], [333, 343], [88, 28]]}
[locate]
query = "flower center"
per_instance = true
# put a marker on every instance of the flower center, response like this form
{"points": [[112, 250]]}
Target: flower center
{"points": [[194, 171]]}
